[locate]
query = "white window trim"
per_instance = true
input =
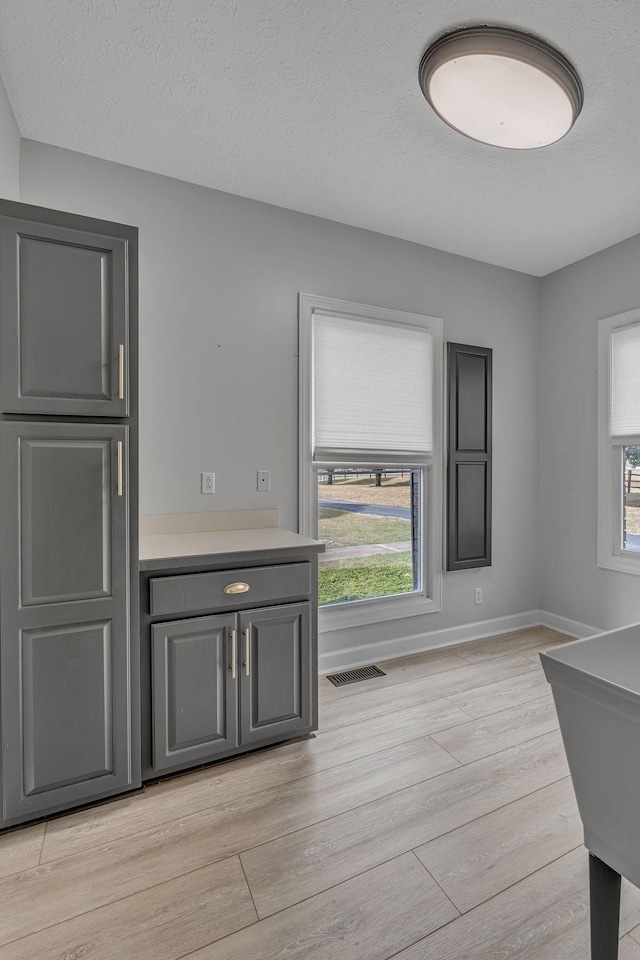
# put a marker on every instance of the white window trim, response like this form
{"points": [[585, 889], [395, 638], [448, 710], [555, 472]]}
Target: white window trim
{"points": [[611, 556], [429, 600]]}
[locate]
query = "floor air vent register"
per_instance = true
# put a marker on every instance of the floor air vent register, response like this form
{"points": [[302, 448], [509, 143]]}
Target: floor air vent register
{"points": [[353, 676]]}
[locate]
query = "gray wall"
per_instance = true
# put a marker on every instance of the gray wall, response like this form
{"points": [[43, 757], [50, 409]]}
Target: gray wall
{"points": [[9, 149], [219, 279], [572, 302]]}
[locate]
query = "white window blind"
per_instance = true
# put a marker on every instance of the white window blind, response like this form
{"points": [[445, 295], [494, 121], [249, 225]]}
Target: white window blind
{"points": [[625, 383], [372, 390]]}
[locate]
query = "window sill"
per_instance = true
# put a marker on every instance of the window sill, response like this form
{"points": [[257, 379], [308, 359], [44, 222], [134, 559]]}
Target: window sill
{"points": [[362, 612], [621, 563]]}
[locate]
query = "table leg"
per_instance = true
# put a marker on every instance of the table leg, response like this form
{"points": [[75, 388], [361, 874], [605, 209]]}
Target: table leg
{"points": [[604, 895]]}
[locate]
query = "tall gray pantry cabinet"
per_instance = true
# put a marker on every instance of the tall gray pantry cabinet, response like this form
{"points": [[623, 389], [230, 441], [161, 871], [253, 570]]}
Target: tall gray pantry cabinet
{"points": [[68, 511]]}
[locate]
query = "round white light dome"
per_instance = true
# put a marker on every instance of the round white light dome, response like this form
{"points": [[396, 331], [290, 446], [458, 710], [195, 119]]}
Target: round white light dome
{"points": [[501, 87]]}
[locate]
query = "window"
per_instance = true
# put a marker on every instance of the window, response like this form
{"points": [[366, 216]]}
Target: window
{"points": [[619, 442], [370, 460], [370, 520]]}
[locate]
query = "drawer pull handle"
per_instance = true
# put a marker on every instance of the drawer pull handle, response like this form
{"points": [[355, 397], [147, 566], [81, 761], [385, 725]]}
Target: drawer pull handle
{"points": [[237, 587], [233, 654], [247, 651]]}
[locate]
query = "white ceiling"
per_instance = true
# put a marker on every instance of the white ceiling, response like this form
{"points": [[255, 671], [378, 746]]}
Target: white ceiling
{"points": [[314, 105]]}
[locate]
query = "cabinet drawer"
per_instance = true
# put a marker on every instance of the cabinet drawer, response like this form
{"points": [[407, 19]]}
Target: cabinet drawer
{"points": [[196, 592]]}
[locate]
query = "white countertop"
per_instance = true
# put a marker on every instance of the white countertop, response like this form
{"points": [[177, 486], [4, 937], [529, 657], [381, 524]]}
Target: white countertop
{"points": [[160, 546]]}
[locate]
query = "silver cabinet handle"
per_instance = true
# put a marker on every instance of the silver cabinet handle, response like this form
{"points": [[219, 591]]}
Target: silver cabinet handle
{"points": [[247, 651], [238, 587], [233, 654], [121, 372], [119, 468]]}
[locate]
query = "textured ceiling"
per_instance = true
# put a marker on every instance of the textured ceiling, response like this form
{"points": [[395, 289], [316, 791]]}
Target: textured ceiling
{"points": [[314, 105]]}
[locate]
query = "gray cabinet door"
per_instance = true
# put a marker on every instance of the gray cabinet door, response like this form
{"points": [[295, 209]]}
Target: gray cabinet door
{"points": [[193, 690], [275, 672], [469, 457], [64, 615], [64, 336]]}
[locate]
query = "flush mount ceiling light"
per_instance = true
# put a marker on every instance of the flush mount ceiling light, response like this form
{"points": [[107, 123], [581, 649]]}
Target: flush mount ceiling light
{"points": [[501, 87]]}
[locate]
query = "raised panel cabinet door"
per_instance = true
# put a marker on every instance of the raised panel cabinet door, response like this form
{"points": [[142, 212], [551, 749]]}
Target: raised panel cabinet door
{"points": [[64, 616], [64, 310], [193, 690], [469, 443], [276, 680]]}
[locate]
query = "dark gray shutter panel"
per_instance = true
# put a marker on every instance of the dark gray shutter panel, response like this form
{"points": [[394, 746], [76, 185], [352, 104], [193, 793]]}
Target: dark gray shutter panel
{"points": [[469, 457]]}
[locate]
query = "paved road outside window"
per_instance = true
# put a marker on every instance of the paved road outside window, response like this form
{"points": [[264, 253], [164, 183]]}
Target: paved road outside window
{"points": [[367, 549]]}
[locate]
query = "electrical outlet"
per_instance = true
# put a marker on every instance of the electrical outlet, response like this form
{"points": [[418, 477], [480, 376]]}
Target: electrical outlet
{"points": [[477, 595], [207, 483], [264, 481]]}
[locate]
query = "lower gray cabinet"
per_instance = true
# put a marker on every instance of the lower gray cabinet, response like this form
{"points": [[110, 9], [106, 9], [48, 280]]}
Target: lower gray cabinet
{"points": [[194, 691], [64, 615], [223, 682], [229, 652], [275, 687]]}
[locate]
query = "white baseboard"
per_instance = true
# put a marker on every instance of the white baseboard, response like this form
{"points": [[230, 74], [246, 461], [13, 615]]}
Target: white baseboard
{"points": [[358, 656], [564, 625]]}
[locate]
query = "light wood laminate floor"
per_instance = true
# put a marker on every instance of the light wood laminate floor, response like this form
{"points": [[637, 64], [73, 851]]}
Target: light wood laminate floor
{"points": [[431, 818]]}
